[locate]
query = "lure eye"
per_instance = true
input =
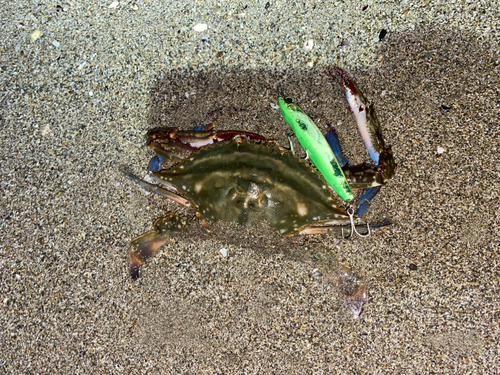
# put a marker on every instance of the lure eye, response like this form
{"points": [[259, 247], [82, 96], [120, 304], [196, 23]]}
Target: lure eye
{"points": [[288, 100]]}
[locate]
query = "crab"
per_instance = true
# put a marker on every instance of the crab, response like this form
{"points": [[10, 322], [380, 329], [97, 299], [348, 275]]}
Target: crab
{"points": [[242, 177]]}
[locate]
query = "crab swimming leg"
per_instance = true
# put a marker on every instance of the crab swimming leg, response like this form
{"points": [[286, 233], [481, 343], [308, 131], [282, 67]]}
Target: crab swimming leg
{"points": [[143, 247]]}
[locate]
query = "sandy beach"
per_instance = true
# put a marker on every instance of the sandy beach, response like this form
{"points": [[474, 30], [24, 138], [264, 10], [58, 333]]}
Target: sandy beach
{"points": [[81, 83]]}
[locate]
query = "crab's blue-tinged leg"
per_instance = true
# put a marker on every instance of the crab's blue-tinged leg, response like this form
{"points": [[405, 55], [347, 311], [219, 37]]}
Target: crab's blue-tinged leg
{"points": [[368, 193], [365, 199]]}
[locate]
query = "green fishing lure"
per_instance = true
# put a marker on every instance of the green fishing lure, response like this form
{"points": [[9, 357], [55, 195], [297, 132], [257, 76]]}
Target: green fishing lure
{"points": [[318, 149]]}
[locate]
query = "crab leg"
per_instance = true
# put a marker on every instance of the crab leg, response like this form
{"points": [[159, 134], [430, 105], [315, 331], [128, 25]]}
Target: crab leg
{"points": [[174, 144], [312, 229], [143, 247], [152, 188], [365, 199]]}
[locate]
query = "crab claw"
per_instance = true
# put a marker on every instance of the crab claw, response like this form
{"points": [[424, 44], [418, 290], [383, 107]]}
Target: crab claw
{"points": [[364, 176], [363, 112], [178, 145], [365, 199]]}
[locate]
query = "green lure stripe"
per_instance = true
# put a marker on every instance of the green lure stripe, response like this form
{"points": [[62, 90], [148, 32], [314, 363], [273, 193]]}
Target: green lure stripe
{"points": [[318, 149]]}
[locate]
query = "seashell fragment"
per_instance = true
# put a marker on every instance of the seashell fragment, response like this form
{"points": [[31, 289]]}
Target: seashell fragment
{"points": [[200, 27]]}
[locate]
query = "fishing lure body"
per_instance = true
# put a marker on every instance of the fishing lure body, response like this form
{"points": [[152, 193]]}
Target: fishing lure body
{"points": [[316, 146]]}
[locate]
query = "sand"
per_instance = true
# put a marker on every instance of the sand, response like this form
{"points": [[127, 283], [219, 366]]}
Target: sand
{"points": [[77, 99]]}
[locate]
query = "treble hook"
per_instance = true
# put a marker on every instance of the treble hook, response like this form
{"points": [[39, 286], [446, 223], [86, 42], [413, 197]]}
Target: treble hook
{"points": [[350, 212]]}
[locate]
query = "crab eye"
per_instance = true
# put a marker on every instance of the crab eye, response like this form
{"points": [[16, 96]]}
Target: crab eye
{"points": [[288, 100]]}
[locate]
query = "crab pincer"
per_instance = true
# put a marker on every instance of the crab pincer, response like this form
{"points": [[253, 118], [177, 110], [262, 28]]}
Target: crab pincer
{"points": [[371, 133], [174, 144], [368, 124]]}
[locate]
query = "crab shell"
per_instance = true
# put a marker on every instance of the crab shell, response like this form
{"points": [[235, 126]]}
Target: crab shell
{"points": [[248, 182]]}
